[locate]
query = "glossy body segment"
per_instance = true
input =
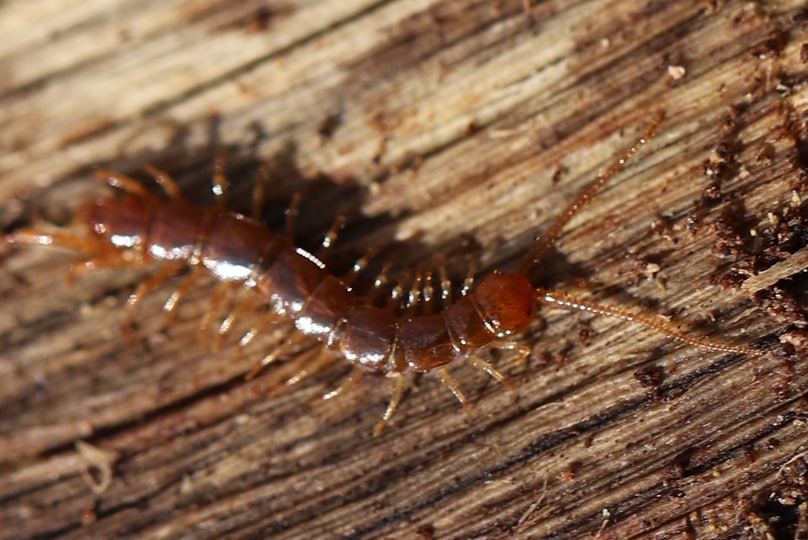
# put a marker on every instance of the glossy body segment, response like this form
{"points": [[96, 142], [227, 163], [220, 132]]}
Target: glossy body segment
{"points": [[297, 286]]}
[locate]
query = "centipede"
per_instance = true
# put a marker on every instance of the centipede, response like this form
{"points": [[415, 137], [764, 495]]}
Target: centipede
{"points": [[396, 338]]}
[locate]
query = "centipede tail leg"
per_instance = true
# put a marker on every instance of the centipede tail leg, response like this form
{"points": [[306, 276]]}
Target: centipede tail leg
{"points": [[56, 238], [97, 254], [105, 259]]}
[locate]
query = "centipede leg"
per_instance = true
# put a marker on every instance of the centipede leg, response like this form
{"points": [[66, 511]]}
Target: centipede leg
{"points": [[219, 184], [330, 237], [428, 293], [182, 290], [445, 287], [449, 382], [259, 192], [399, 383], [486, 366], [522, 350], [121, 181], [106, 259], [381, 282], [468, 283], [249, 335], [318, 359], [397, 293], [349, 382], [411, 298], [223, 294], [227, 324], [289, 344], [149, 285], [165, 181], [294, 210]]}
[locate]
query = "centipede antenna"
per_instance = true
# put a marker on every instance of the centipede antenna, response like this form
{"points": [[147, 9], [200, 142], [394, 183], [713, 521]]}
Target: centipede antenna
{"points": [[572, 302], [164, 180], [549, 237]]}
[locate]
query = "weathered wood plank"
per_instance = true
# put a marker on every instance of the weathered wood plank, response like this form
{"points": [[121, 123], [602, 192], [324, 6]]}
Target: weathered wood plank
{"points": [[444, 122]]}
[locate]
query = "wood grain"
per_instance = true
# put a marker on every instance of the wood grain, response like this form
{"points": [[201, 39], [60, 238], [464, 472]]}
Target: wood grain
{"points": [[448, 125]]}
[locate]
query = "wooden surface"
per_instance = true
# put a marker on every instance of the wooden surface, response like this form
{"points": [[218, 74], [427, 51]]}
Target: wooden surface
{"points": [[452, 126]]}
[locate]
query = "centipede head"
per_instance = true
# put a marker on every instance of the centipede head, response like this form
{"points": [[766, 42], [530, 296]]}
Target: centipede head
{"points": [[507, 303]]}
